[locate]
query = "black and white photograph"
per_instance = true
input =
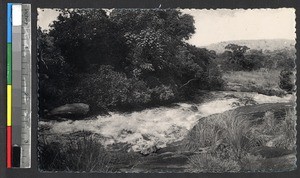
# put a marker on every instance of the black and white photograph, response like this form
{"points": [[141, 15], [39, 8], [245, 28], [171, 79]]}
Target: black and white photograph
{"points": [[166, 90]]}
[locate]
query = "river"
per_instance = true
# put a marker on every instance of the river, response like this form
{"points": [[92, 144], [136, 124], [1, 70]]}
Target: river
{"points": [[159, 126]]}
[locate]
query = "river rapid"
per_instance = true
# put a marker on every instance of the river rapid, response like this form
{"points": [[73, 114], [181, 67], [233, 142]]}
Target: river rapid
{"points": [[157, 127]]}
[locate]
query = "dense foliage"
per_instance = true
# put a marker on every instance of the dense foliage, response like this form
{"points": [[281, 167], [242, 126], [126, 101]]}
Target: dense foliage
{"points": [[123, 60], [287, 82], [242, 58]]}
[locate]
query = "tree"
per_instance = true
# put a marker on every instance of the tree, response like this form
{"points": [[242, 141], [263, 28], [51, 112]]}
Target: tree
{"points": [[282, 59], [172, 22], [286, 80], [54, 72], [254, 59], [87, 37], [128, 58], [237, 55], [153, 37]]}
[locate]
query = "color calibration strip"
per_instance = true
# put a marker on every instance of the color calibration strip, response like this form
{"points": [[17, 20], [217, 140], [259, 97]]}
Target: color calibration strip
{"points": [[18, 85], [9, 87]]}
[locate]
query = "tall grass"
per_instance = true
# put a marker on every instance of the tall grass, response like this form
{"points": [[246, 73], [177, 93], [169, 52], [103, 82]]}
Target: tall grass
{"points": [[211, 163], [221, 141], [288, 128], [224, 142], [276, 132], [82, 154], [220, 131]]}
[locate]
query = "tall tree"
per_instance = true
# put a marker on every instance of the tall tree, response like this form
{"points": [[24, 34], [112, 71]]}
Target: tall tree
{"points": [[237, 55], [153, 37], [87, 37]]}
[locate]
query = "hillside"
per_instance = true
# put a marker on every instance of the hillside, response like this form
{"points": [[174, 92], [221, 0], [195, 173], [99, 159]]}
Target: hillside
{"points": [[266, 44]]}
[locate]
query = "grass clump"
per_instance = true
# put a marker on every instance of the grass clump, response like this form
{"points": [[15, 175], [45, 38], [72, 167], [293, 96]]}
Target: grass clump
{"points": [[226, 142], [220, 142], [221, 131], [277, 132], [211, 163], [82, 154]]}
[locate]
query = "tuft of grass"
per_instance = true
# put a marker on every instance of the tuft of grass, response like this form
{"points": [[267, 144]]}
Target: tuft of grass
{"points": [[211, 163], [226, 131], [251, 162], [81, 154], [276, 132], [288, 128]]}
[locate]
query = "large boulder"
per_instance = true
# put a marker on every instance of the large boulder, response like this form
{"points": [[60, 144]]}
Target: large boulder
{"points": [[70, 110]]}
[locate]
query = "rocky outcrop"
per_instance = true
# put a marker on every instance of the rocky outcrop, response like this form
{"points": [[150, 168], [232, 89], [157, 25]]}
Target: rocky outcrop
{"points": [[70, 110]]}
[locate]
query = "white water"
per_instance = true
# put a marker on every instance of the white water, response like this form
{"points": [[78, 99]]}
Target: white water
{"points": [[153, 127]]}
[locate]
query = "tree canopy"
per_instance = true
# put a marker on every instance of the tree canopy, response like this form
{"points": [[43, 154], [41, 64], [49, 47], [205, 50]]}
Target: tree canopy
{"points": [[118, 50]]}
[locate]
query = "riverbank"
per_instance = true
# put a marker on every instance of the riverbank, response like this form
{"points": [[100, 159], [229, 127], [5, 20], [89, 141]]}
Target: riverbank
{"points": [[140, 135], [158, 126]]}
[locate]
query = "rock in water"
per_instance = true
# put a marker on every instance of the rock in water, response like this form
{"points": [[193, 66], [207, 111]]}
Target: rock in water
{"points": [[194, 108], [74, 109], [149, 150]]}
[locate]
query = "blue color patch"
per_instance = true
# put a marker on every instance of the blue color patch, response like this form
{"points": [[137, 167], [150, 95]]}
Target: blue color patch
{"points": [[9, 22]]}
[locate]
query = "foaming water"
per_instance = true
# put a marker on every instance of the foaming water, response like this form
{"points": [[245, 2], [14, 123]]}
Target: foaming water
{"points": [[153, 127]]}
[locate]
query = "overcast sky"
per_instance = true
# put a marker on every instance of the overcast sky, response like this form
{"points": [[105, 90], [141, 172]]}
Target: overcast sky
{"points": [[213, 26]]}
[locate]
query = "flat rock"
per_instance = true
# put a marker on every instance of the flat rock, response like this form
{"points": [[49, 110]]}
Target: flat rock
{"points": [[67, 110]]}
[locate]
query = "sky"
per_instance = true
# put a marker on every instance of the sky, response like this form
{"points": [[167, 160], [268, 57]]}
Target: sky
{"points": [[213, 26]]}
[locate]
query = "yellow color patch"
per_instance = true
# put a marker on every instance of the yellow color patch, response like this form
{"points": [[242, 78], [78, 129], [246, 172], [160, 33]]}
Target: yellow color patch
{"points": [[9, 104]]}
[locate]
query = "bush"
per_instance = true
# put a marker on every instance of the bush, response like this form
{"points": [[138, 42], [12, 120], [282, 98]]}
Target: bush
{"points": [[163, 94], [107, 89], [215, 80], [286, 80]]}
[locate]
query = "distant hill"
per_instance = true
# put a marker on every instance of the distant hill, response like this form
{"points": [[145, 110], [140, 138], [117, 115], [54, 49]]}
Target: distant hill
{"points": [[266, 44]]}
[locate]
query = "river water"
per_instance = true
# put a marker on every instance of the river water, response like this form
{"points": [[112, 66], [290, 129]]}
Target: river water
{"points": [[158, 126]]}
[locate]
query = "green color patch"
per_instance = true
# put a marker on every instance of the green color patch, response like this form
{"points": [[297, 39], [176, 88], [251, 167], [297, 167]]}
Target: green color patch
{"points": [[9, 64]]}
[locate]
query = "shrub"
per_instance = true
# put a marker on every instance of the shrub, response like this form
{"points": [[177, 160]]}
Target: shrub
{"points": [[107, 89], [215, 80], [286, 80], [162, 94]]}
